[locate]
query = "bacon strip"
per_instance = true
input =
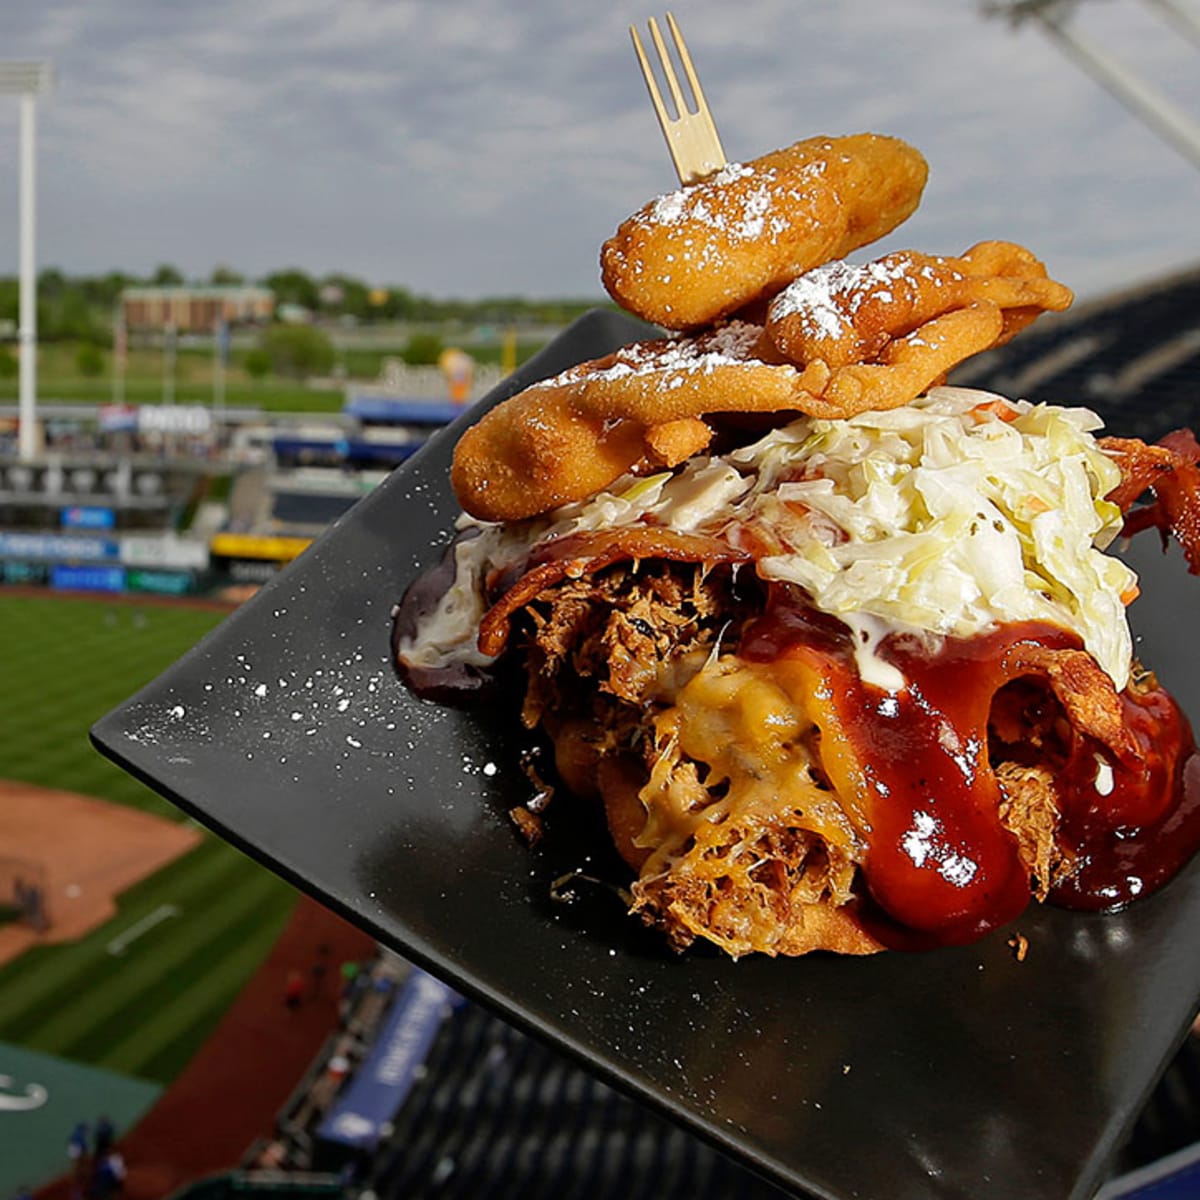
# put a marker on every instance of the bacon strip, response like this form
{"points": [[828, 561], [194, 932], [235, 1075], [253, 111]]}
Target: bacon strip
{"points": [[1169, 470], [583, 553]]}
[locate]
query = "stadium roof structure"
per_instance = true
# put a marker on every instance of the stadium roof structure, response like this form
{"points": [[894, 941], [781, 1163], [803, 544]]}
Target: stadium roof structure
{"points": [[214, 290], [1132, 356], [399, 410]]}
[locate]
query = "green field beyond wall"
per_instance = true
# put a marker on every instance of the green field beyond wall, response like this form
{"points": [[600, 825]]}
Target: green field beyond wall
{"points": [[135, 1009]]}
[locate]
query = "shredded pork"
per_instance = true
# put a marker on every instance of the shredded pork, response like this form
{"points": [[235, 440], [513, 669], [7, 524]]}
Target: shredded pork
{"points": [[607, 656]]}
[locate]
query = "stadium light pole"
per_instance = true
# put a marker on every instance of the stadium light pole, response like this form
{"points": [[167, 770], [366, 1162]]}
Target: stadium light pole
{"points": [[1184, 21], [26, 80], [1168, 121]]}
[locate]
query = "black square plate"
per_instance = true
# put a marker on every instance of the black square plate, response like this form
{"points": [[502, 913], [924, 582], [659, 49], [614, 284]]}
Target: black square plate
{"points": [[957, 1073]]}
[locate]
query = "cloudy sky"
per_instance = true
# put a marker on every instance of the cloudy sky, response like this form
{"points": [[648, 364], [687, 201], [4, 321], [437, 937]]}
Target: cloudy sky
{"points": [[477, 147]]}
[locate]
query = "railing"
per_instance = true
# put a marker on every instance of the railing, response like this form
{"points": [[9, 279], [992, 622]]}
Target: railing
{"points": [[279, 1185]]}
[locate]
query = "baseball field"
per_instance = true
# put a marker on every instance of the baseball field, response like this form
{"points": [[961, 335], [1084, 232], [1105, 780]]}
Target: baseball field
{"points": [[154, 925]]}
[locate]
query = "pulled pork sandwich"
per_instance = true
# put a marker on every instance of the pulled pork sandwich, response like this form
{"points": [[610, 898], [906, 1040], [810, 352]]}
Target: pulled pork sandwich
{"points": [[837, 649]]}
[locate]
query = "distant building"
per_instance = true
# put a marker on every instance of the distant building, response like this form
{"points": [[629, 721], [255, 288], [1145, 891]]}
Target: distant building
{"points": [[195, 309]]}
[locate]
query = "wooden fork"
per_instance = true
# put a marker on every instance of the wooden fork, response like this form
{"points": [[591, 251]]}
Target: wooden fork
{"points": [[691, 134]]}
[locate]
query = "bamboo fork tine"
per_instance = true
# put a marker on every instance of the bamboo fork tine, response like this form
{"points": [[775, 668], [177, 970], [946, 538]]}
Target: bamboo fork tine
{"points": [[691, 134], [682, 108], [664, 118]]}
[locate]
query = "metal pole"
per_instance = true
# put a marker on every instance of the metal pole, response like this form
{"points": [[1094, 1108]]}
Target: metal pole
{"points": [[120, 352], [27, 334], [1185, 21], [1172, 124], [220, 334], [169, 358]]}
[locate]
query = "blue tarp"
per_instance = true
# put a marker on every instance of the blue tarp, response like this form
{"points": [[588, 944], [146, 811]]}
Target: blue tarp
{"points": [[380, 1085]]}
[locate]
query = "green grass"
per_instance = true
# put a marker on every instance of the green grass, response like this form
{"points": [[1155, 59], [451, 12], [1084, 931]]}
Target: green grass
{"points": [[270, 396], [59, 380], [143, 1013], [66, 663]]}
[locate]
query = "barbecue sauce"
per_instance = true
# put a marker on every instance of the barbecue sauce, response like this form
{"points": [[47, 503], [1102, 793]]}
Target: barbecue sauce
{"points": [[912, 768]]}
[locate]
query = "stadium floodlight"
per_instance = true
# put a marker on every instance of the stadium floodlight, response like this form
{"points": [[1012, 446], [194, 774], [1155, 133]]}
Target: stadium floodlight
{"points": [[26, 80], [25, 77]]}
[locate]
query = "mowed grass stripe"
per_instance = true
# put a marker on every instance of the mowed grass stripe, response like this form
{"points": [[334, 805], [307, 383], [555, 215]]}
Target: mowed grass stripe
{"points": [[153, 979], [44, 980], [115, 985], [166, 1010], [67, 662]]}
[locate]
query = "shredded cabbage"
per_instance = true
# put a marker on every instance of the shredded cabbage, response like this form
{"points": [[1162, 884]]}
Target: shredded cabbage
{"points": [[949, 516]]}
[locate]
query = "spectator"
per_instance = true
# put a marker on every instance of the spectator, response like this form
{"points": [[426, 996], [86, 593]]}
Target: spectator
{"points": [[104, 1137], [77, 1143], [77, 1152], [108, 1178], [273, 1156], [293, 990], [352, 979], [320, 969]]}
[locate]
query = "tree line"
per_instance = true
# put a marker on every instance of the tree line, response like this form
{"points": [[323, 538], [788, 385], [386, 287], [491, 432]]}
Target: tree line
{"points": [[79, 307]]}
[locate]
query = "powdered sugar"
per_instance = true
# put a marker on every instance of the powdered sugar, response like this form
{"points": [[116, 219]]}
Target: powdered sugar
{"points": [[731, 345], [827, 298], [739, 201]]}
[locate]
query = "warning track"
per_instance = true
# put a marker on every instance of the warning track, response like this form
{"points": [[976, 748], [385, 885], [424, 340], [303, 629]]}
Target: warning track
{"points": [[230, 1092]]}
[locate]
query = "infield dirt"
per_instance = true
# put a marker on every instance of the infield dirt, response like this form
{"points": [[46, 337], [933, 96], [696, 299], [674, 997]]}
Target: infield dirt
{"points": [[89, 851]]}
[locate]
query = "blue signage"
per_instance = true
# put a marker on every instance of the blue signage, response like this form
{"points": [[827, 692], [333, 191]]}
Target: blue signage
{"points": [[117, 418], [380, 1085], [88, 579], [88, 516]]}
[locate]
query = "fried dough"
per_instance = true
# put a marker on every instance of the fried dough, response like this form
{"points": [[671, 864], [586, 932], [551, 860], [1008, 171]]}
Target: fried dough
{"points": [[843, 314], [571, 436], [706, 251]]}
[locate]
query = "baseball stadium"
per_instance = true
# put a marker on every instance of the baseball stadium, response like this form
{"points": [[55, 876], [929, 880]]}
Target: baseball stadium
{"points": [[180, 1022], [162, 993], [165, 1002]]}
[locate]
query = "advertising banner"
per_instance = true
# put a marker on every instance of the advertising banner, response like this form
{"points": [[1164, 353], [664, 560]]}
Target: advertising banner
{"points": [[142, 550], [374, 1095], [58, 546], [161, 583], [173, 418], [117, 418], [88, 516], [88, 579], [16, 572], [247, 545]]}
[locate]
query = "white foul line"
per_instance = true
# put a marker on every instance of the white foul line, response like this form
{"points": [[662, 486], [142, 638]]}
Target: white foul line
{"points": [[164, 912]]}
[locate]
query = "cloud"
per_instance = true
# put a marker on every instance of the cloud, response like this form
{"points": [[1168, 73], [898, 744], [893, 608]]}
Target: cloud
{"points": [[485, 147]]}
